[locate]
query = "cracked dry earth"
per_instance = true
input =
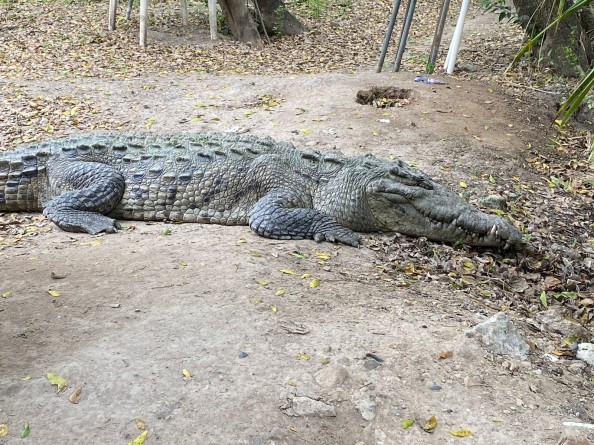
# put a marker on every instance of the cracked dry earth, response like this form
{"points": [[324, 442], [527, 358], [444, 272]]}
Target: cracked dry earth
{"points": [[283, 363]]}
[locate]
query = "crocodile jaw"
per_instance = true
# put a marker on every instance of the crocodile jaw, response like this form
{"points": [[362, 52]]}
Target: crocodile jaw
{"points": [[439, 215]]}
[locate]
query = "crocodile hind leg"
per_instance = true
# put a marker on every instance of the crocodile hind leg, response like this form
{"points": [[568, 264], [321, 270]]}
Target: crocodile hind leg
{"points": [[82, 194], [275, 216]]}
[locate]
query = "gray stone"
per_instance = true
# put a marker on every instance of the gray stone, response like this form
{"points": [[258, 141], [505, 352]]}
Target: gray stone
{"points": [[500, 336], [304, 406], [585, 353], [371, 364], [367, 409], [556, 321], [331, 376]]}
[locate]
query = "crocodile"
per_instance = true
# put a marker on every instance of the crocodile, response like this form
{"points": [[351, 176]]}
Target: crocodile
{"points": [[87, 183]]}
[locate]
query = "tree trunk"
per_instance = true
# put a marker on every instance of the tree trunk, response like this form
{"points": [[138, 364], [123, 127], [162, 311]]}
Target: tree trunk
{"points": [[240, 21], [567, 47], [278, 20]]}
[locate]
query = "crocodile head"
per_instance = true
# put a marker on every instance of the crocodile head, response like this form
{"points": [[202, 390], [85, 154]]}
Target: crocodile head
{"points": [[410, 202]]}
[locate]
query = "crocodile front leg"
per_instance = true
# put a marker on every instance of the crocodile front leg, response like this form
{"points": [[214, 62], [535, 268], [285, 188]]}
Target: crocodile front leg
{"points": [[83, 193], [273, 216]]}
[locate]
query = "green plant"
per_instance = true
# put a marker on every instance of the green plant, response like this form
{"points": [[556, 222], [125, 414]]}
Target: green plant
{"points": [[569, 107]]}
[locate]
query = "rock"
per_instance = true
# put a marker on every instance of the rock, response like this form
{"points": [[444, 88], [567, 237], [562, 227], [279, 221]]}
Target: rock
{"points": [[331, 376], [371, 364], [500, 336], [304, 406], [554, 320], [585, 353], [367, 409], [494, 202]]}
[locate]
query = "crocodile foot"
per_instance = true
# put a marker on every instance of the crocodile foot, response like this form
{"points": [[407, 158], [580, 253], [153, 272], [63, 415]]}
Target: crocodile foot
{"points": [[343, 236], [80, 221]]}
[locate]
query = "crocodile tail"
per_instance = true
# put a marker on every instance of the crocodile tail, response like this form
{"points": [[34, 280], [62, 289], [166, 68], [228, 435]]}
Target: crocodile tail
{"points": [[19, 182]]}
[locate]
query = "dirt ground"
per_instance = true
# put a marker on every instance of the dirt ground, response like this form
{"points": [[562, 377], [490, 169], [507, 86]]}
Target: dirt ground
{"points": [[273, 360]]}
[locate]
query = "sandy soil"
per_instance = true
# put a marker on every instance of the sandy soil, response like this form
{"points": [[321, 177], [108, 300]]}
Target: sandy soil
{"points": [[138, 307]]}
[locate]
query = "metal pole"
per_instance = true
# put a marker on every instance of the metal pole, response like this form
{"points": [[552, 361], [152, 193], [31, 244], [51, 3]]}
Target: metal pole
{"points": [[404, 37], [437, 37], [388, 35]]}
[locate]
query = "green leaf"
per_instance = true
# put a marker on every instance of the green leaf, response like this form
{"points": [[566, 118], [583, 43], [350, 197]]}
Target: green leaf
{"points": [[543, 299], [407, 423], [26, 430]]}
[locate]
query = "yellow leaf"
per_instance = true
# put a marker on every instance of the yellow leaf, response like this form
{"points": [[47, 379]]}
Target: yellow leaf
{"points": [[280, 292], [430, 424], [54, 293], [3, 430], [256, 300], [75, 396], [183, 263], [306, 131], [140, 439], [26, 378], [325, 361], [93, 243], [287, 271], [303, 356], [7, 294], [256, 254], [323, 255], [274, 309], [294, 429], [305, 275], [60, 382], [375, 133], [462, 432], [314, 283], [263, 283], [241, 241], [140, 424], [463, 184], [187, 374]]}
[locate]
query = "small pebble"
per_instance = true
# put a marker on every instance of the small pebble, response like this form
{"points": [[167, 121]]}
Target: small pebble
{"points": [[115, 305], [243, 354], [435, 388], [371, 364]]}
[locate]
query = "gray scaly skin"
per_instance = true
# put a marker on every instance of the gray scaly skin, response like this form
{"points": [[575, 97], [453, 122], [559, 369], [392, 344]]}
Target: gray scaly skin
{"points": [[84, 184]]}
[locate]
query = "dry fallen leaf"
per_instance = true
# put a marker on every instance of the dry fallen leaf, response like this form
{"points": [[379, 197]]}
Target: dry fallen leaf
{"points": [[140, 424], [445, 354], [280, 292], [54, 293], [462, 432], [314, 283], [430, 424], [187, 375], [287, 271], [76, 395], [3, 430]]}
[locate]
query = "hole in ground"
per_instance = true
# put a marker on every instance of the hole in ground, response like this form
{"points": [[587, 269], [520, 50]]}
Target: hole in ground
{"points": [[383, 97]]}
